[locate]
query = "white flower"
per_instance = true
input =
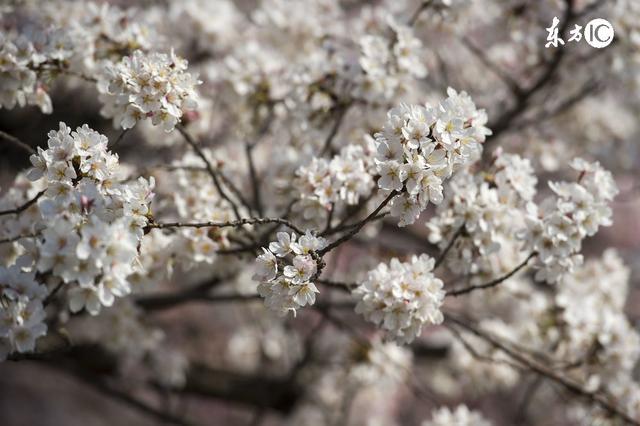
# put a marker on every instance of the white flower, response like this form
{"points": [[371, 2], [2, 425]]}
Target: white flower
{"points": [[577, 211], [391, 176], [302, 269], [84, 298], [308, 243], [407, 208], [401, 297], [24, 338], [422, 145], [460, 416], [144, 85], [289, 288], [266, 267], [305, 293], [282, 247], [21, 312]]}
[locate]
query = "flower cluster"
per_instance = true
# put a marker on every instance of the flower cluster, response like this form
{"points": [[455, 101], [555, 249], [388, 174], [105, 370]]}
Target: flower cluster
{"points": [[18, 78], [402, 297], [191, 195], [91, 223], [65, 38], [597, 327], [420, 146], [21, 311], [488, 209], [141, 86], [460, 416], [484, 376], [286, 270], [342, 180], [387, 63], [556, 229]]}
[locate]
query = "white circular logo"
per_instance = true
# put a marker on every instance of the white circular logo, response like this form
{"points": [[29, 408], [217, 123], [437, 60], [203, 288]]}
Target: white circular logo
{"points": [[599, 33]]}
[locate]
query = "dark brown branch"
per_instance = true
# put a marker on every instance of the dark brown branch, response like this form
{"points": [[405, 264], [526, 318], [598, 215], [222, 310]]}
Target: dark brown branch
{"points": [[53, 293], [338, 285], [187, 137], [446, 250], [231, 224], [414, 17], [16, 238], [357, 227], [351, 211], [280, 394], [131, 401], [164, 301], [24, 206], [544, 371], [17, 142], [504, 121], [499, 72], [234, 189], [155, 303], [585, 91], [253, 175], [477, 355], [492, 283], [120, 138], [340, 113], [341, 228]]}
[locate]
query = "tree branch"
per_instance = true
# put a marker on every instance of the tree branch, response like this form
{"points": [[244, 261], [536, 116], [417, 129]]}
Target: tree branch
{"points": [[187, 137], [358, 226], [492, 283], [446, 250], [255, 183], [504, 121], [542, 370], [341, 112], [17, 142], [16, 238], [24, 206], [231, 224]]}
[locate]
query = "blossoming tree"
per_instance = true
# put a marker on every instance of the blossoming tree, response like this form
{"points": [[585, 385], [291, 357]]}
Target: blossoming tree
{"points": [[320, 212]]}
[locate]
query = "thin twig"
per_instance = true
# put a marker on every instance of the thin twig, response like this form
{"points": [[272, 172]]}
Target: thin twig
{"points": [[492, 283], [17, 142], [357, 227], [338, 285], [16, 238], [506, 78], [341, 112], [446, 250], [585, 91], [477, 355], [53, 293], [118, 395], [231, 224], [187, 137], [542, 370], [414, 18], [234, 189], [253, 175], [530, 391], [24, 206], [505, 120], [120, 138]]}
